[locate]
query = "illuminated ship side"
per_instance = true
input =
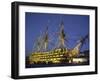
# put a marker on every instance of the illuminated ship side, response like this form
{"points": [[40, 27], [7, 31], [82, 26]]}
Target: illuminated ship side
{"points": [[60, 54], [54, 56]]}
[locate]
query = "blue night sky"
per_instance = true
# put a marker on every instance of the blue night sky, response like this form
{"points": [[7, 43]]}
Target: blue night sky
{"points": [[75, 27]]}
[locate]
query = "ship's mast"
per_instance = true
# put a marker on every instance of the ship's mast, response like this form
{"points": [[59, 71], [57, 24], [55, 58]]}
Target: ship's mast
{"points": [[45, 39], [61, 43], [41, 43]]}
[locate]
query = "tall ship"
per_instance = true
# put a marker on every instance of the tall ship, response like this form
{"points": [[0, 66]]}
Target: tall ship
{"points": [[60, 53]]}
